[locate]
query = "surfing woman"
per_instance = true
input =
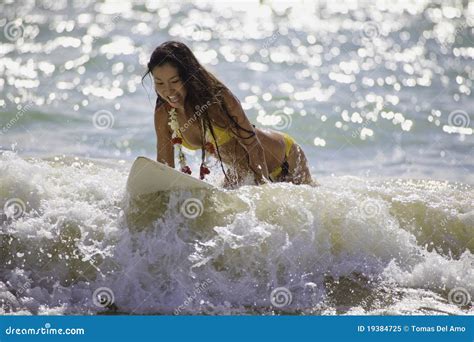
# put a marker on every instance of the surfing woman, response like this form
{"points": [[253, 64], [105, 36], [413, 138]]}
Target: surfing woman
{"points": [[195, 110]]}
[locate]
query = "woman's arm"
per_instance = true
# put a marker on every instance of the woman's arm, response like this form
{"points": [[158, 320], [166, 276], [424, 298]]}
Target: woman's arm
{"points": [[252, 144], [164, 147]]}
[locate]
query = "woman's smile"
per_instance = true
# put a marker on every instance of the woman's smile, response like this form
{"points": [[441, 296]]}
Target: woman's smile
{"points": [[174, 100]]}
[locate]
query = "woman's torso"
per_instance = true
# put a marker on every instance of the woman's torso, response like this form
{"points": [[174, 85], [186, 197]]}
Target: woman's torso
{"points": [[231, 151]]}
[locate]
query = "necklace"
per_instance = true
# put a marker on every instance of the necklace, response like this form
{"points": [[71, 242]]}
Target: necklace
{"points": [[177, 140]]}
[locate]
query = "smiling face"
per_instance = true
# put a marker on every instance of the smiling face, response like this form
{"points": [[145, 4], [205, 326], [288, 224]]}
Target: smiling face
{"points": [[169, 85]]}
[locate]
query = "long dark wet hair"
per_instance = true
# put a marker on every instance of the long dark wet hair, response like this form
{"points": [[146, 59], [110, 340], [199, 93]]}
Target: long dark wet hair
{"points": [[201, 87]]}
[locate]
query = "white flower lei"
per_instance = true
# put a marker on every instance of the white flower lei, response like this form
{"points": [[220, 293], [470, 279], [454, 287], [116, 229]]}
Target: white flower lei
{"points": [[176, 133]]}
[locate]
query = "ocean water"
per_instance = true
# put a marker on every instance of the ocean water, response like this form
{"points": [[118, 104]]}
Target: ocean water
{"points": [[377, 93]]}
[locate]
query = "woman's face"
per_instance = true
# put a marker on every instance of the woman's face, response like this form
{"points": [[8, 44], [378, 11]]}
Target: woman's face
{"points": [[169, 85]]}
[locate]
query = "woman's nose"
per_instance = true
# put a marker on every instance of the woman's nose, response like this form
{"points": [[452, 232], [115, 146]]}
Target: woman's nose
{"points": [[170, 90]]}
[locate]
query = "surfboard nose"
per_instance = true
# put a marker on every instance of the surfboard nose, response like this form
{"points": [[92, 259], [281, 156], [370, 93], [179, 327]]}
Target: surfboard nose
{"points": [[148, 176]]}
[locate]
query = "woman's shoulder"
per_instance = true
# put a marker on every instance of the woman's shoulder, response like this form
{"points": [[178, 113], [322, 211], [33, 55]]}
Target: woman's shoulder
{"points": [[218, 105], [225, 99]]}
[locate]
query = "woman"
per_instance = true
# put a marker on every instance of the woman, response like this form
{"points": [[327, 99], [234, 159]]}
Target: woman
{"points": [[195, 110]]}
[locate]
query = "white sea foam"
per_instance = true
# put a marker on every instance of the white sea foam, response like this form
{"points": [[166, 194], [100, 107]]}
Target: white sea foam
{"points": [[340, 247]]}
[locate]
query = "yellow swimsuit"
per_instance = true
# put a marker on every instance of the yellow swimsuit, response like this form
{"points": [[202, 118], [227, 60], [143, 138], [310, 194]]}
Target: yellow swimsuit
{"points": [[289, 141], [224, 135]]}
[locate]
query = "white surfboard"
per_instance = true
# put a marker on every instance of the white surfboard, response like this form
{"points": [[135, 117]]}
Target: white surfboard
{"points": [[148, 176]]}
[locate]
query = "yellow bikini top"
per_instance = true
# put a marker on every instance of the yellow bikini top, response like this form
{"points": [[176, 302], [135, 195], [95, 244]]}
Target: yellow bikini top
{"points": [[223, 135]]}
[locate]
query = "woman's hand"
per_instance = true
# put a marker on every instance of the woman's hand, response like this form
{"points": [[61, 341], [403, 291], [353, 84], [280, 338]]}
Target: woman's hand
{"points": [[260, 178], [257, 162]]}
